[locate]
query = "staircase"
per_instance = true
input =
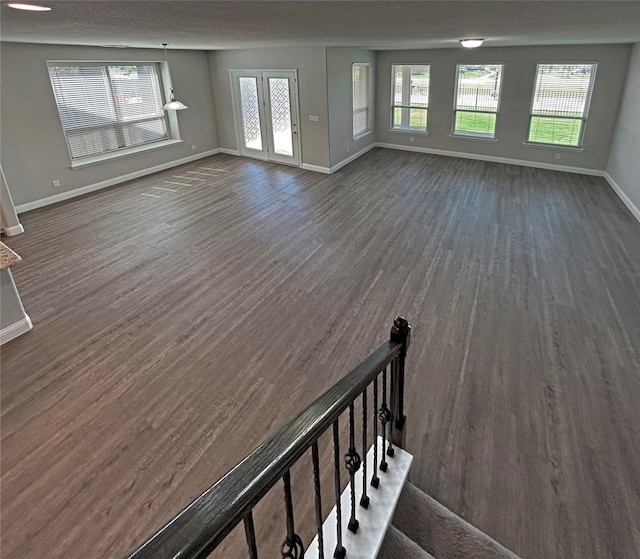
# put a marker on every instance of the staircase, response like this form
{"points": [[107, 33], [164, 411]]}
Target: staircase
{"points": [[424, 529], [379, 513], [402, 522]]}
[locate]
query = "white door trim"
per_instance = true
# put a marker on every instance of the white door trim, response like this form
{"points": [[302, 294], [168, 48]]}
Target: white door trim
{"points": [[264, 112]]}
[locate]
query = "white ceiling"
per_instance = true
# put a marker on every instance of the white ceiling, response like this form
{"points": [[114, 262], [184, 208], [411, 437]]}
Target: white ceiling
{"points": [[217, 24]]}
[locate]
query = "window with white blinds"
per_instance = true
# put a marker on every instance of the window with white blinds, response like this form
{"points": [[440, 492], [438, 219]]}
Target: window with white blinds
{"points": [[106, 107], [560, 103], [477, 99], [360, 75], [410, 99]]}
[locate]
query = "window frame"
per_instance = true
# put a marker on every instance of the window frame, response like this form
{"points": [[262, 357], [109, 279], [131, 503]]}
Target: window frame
{"points": [[476, 136], [410, 130], [367, 129], [585, 113], [163, 81]]}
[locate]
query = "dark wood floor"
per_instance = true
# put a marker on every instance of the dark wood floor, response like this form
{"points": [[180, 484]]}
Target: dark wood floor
{"points": [[182, 317]]}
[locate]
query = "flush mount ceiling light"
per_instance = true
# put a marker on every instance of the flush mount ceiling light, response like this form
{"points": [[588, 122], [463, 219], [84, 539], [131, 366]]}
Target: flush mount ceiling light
{"points": [[28, 7], [471, 43], [174, 104]]}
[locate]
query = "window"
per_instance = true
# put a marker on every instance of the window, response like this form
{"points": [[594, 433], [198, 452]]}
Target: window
{"points": [[477, 99], [105, 108], [360, 75], [410, 99], [560, 103]]}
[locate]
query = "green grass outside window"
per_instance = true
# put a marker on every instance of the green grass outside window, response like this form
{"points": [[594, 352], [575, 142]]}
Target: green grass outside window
{"points": [[483, 124], [417, 119], [558, 131]]}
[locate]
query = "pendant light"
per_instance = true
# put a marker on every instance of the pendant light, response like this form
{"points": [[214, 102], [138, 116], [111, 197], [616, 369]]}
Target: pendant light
{"points": [[174, 104]]}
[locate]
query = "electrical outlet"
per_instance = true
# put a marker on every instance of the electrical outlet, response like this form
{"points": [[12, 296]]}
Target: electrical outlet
{"points": [[314, 118], [55, 183], [411, 138], [558, 156], [193, 147], [348, 149]]}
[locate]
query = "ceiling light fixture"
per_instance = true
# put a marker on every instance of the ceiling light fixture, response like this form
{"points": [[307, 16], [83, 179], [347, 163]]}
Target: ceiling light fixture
{"points": [[174, 104], [28, 7], [471, 43]]}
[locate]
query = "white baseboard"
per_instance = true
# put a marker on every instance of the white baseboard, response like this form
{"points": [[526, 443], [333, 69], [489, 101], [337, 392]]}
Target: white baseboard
{"points": [[353, 157], [316, 168], [507, 160], [110, 182], [621, 194], [13, 230], [305, 166], [14, 330]]}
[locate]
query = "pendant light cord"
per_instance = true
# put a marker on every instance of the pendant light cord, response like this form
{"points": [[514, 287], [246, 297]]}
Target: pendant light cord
{"points": [[166, 59]]}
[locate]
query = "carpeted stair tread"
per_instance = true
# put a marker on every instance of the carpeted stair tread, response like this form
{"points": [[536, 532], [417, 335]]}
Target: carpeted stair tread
{"points": [[398, 546], [440, 532]]}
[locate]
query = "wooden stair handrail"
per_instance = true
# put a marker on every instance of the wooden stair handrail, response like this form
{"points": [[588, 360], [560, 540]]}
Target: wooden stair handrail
{"points": [[201, 526]]}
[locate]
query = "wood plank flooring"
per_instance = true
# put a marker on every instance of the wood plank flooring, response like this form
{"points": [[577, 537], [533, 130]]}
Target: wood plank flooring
{"points": [[182, 317]]}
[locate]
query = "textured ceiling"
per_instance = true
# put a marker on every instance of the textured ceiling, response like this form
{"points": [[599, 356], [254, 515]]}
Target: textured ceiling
{"points": [[375, 24]]}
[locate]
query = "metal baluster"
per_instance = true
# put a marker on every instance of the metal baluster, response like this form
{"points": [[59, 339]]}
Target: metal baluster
{"points": [[384, 416], [375, 480], [364, 500], [352, 462], [393, 372], [250, 534], [292, 547], [316, 485], [340, 551]]}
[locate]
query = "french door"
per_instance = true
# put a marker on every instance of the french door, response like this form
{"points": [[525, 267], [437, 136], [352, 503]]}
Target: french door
{"points": [[265, 106]]}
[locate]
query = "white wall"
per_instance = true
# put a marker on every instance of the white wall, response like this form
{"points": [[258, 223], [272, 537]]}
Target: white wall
{"points": [[340, 98], [312, 91], [34, 150], [623, 167], [33, 146], [517, 87]]}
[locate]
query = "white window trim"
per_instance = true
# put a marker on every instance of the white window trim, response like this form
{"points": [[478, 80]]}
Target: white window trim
{"points": [[472, 136], [367, 130], [392, 128], [585, 116], [171, 118], [361, 135], [410, 132], [101, 158], [554, 147], [478, 138]]}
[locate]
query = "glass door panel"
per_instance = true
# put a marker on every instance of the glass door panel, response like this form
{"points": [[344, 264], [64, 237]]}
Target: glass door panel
{"points": [[281, 128], [281, 95], [250, 112]]}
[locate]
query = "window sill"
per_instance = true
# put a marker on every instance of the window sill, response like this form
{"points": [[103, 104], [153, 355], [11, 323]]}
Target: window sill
{"points": [[555, 147], [475, 138], [360, 135], [407, 131], [95, 159]]}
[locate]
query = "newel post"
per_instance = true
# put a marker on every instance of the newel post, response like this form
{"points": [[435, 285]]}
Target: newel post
{"points": [[400, 333]]}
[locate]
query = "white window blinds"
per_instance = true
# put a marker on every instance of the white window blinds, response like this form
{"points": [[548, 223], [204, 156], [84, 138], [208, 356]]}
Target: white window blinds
{"points": [[410, 97], [360, 74], [560, 103], [477, 99], [105, 108]]}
